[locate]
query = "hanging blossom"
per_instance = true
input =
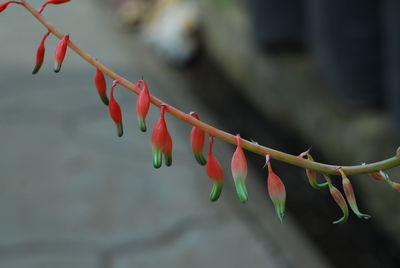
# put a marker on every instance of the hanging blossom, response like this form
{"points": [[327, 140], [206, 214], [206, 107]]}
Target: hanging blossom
{"points": [[349, 192], [115, 111], [239, 171], [197, 142], [339, 199], [312, 174], [276, 191], [161, 141], [214, 172], [40, 54], [60, 52], [142, 105], [101, 86]]}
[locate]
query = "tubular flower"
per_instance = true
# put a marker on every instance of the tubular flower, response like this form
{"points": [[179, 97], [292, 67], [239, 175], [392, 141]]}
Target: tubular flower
{"points": [[101, 86], [161, 141], [349, 192], [239, 171], [54, 2], [142, 105], [277, 191], [4, 5], [214, 172], [339, 199], [40, 54], [115, 111], [60, 52], [197, 141], [311, 174]]}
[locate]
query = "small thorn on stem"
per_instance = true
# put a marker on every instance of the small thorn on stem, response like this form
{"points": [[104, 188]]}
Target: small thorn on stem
{"points": [[305, 153]]}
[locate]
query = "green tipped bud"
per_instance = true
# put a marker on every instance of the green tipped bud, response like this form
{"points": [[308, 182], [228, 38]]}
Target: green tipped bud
{"points": [[168, 160], [311, 174], [120, 129], [276, 191], [216, 190], [157, 157], [339, 199], [349, 192], [241, 190], [200, 158], [142, 124], [104, 99]]}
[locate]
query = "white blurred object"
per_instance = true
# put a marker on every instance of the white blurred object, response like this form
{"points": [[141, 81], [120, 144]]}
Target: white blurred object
{"points": [[172, 30]]}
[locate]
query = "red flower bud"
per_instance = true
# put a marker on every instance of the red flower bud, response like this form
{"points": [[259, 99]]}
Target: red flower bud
{"points": [[380, 176], [101, 86], [311, 174], [4, 5], [214, 172], [40, 54], [60, 52], [142, 105], [339, 199], [349, 192], [197, 141], [383, 176], [54, 2], [277, 191], [239, 171], [161, 141], [115, 111]]}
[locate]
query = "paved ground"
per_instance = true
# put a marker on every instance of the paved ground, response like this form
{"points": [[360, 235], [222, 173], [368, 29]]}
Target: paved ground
{"points": [[72, 194]]}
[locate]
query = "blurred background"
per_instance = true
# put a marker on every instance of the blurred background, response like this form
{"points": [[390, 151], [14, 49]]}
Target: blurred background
{"points": [[287, 74]]}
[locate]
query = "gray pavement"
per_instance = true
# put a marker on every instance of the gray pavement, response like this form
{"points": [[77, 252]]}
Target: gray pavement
{"points": [[72, 194]]}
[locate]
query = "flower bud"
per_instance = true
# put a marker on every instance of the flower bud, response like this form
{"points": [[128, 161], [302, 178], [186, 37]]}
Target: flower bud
{"points": [[349, 192], [40, 54], [4, 5], [197, 141], [312, 174], [383, 176], [142, 105], [60, 52], [161, 141], [101, 86], [239, 171], [339, 199], [115, 111], [276, 191], [380, 175], [54, 2], [214, 172]]}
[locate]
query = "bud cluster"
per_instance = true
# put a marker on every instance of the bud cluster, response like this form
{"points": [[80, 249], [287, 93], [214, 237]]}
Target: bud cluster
{"points": [[162, 144]]}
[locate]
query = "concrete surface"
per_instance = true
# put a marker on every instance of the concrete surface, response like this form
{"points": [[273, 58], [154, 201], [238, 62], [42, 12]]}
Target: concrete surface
{"points": [[72, 194]]}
